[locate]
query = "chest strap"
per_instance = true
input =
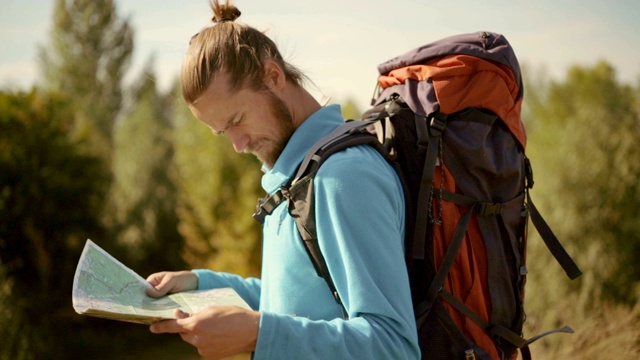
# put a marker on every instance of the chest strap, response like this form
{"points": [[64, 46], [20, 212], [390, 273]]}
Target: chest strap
{"points": [[267, 204]]}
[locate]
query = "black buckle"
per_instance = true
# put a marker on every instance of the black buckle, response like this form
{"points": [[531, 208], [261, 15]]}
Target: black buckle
{"points": [[378, 115], [437, 124], [260, 213], [528, 171], [266, 205], [488, 209]]}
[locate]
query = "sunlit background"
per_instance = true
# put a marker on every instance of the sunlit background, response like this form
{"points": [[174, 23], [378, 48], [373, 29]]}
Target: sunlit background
{"points": [[340, 43], [96, 142]]}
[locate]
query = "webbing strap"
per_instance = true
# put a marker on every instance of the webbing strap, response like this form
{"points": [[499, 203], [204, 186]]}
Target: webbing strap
{"points": [[449, 257], [494, 330], [347, 135], [338, 133], [447, 263], [434, 133], [564, 329], [474, 206], [552, 242], [320, 265], [267, 204], [498, 330], [547, 235]]}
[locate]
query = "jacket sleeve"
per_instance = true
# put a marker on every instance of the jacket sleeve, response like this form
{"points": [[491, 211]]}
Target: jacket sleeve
{"points": [[360, 220], [247, 288]]}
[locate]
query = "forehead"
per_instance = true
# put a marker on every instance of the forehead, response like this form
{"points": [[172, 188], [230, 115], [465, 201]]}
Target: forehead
{"points": [[217, 102]]}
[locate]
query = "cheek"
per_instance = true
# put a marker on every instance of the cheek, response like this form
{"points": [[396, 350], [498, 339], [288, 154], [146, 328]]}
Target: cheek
{"points": [[267, 129]]}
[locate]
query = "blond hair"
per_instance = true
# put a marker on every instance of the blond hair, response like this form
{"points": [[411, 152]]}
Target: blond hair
{"points": [[238, 50]]}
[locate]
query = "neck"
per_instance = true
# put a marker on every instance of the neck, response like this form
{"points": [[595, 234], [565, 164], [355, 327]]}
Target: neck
{"points": [[301, 103]]}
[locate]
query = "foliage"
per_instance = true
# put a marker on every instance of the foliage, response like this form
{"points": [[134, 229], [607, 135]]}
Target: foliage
{"points": [[218, 192], [583, 136], [143, 198], [50, 195], [593, 127], [58, 173], [52, 198], [181, 196], [350, 110], [88, 55]]}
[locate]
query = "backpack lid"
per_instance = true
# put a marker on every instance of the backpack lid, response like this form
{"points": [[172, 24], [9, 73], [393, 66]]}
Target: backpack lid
{"points": [[486, 45], [472, 70]]}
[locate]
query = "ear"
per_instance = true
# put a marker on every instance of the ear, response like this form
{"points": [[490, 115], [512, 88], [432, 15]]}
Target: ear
{"points": [[274, 75]]}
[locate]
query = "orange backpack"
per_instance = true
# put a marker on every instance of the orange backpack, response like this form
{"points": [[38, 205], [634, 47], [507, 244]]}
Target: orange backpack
{"points": [[447, 116]]}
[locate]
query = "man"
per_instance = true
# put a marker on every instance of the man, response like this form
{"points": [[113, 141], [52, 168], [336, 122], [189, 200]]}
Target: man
{"points": [[236, 82]]}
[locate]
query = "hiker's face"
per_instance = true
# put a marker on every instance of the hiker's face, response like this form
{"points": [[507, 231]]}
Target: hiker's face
{"points": [[256, 122]]}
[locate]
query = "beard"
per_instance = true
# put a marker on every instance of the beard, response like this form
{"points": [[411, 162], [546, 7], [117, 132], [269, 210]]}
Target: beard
{"points": [[268, 151]]}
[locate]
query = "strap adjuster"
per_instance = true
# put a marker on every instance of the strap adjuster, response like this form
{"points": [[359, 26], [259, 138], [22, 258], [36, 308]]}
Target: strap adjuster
{"points": [[528, 171], [260, 213], [437, 124], [488, 209], [267, 204]]}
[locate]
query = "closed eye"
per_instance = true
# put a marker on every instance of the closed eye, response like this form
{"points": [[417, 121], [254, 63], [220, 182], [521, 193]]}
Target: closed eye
{"points": [[232, 121], [236, 121]]}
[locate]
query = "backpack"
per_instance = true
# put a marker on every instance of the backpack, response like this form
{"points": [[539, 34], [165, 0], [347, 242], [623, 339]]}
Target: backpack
{"points": [[447, 117]]}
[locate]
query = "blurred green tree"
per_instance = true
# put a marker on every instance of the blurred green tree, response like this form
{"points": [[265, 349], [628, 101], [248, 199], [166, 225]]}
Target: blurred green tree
{"points": [[350, 109], [142, 204], [586, 134], [50, 197], [86, 59], [218, 191]]}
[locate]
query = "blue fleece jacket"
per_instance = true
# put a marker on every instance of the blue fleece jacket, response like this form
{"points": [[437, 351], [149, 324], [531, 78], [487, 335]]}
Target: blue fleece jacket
{"points": [[360, 219]]}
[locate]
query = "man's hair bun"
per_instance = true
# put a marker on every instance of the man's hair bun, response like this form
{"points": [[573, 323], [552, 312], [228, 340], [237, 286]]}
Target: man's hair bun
{"points": [[224, 13]]}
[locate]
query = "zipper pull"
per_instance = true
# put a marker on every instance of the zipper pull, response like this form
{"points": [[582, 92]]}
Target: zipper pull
{"points": [[469, 355]]}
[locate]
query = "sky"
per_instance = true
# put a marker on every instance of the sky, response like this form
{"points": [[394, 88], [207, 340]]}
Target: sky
{"points": [[339, 43]]}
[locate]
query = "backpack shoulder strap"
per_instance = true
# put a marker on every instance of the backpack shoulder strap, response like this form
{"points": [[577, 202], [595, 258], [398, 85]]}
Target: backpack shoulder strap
{"points": [[298, 193], [351, 133]]}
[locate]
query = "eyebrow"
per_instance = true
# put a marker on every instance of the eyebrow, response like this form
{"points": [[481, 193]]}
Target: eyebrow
{"points": [[227, 123]]}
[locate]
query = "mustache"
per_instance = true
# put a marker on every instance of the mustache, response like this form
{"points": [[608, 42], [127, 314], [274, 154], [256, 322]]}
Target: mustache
{"points": [[256, 145]]}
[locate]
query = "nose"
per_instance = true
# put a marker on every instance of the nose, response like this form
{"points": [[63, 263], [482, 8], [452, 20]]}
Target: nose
{"points": [[239, 140]]}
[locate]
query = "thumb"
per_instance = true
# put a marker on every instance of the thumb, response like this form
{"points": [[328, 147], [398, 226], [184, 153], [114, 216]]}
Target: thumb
{"points": [[179, 314], [154, 292], [166, 326], [159, 284]]}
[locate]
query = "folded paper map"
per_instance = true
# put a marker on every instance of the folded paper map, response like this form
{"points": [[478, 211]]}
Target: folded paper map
{"points": [[104, 287]]}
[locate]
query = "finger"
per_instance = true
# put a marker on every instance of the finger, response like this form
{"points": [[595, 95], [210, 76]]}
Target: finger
{"points": [[167, 327], [154, 292], [171, 282], [161, 284], [154, 279], [179, 314], [190, 338]]}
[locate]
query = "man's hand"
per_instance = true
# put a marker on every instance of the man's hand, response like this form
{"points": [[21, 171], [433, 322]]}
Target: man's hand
{"points": [[217, 331], [166, 282]]}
